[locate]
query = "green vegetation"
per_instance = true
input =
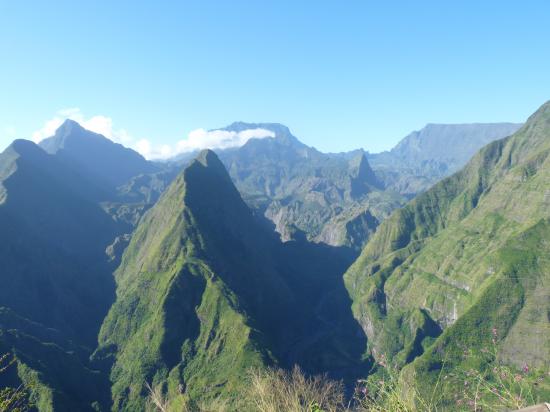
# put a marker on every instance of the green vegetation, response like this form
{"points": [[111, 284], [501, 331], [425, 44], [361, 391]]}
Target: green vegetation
{"points": [[205, 292], [471, 254], [500, 388], [208, 309]]}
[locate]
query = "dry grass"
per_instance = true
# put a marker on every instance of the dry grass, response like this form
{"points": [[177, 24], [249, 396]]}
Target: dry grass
{"points": [[275, 390]]}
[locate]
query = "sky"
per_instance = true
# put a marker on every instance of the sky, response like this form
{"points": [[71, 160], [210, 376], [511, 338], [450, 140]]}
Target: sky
{"points": [[157, 75]]}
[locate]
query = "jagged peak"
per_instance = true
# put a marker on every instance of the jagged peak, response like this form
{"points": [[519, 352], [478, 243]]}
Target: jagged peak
{"points": [[208, 158], [68, 127], [206, 162], [361, 171]]}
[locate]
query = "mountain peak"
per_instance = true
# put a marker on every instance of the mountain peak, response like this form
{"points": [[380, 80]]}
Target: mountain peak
{"points": [[208, 158], [104, 161], [69, 126], [207, 162]]}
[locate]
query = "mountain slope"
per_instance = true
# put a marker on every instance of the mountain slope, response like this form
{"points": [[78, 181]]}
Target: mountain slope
{"points": [[466, 256], [426, 156], [205, 292], [56, 281]]}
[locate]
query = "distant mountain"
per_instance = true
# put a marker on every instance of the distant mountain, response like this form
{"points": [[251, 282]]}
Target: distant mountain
{"points": [[463, 264], [304, 192], [205, 291], [424, 157], [338, 198], [125, 183], [56, 283], [101, 160]]}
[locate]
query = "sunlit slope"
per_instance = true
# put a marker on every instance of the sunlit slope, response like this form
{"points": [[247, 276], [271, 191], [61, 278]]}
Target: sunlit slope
{"points": [[467, 256]]}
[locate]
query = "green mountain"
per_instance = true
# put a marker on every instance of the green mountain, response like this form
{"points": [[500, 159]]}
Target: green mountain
{"points": [[426, 156], [56, 282], [205, 291], [467, 256]]}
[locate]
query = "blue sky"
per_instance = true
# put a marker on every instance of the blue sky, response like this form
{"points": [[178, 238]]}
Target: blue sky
{"points": [[341, 75]]}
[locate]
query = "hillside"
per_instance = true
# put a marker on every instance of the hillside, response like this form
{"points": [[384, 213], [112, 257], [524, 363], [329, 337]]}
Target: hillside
{"points": [[56, 283], [467, 256]]}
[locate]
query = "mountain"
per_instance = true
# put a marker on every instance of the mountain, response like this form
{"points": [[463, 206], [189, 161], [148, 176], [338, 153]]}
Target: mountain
{"points": [[464, 263], [424, 157], [338, 198], [304, 192], [122, 180], [103, 161], [206, 291], [56, 280]]}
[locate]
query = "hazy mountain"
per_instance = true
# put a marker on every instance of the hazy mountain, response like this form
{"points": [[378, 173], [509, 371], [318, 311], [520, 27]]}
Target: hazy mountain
{"points": [[125, 183], [464, 263], [103, 161], [205, 291], [424, 157]]}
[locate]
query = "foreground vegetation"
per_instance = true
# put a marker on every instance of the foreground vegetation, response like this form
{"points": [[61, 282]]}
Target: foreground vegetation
{"points": [[500, 388]]}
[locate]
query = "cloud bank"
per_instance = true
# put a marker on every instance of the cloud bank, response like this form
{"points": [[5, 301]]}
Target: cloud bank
{"points": [[196, 140], [219, 139]]}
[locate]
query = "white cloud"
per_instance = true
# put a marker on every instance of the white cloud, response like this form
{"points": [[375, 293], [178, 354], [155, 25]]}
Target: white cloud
{"points": [[219, 139], [196, 140]]}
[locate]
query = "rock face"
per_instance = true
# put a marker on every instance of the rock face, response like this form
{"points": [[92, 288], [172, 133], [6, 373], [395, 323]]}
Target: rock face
{"points": [[466, 256], [205, 291]]}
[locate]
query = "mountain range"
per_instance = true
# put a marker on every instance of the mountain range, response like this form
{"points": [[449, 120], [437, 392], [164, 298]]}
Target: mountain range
{"points": [[118, 271], [426, 156]]}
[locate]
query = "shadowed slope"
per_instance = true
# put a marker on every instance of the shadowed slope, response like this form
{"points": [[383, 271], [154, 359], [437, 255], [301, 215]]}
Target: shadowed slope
{"points": [[56, 284]]}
